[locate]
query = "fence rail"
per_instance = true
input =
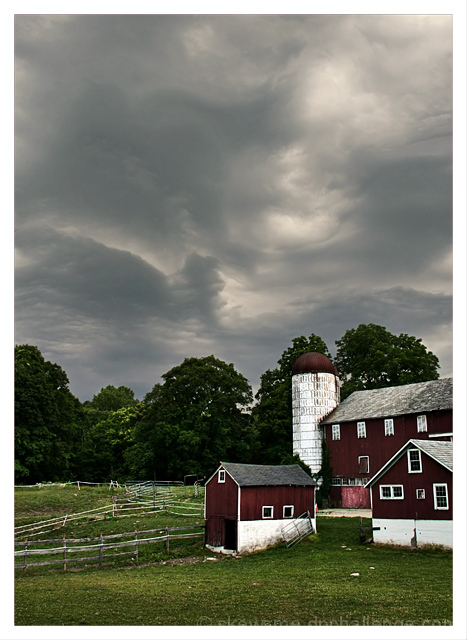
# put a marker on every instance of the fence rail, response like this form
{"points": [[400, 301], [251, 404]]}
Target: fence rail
{"points": [[100, 547]]}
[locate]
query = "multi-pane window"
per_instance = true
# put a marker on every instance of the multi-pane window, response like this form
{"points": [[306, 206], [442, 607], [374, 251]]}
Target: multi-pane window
{"points": [[361, 430], [221, 477], [414, 460], [421, 423], [391, 492], [363, 464], [337, 481], [336, 432], [440, 495], [268, 512], [389, 427], [420, 494]]}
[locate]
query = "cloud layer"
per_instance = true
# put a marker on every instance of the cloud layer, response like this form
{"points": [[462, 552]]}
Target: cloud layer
{"points": [[188, 185]]}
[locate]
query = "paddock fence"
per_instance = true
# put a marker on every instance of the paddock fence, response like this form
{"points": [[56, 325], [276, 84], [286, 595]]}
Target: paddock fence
{"points": [[75, 550]]}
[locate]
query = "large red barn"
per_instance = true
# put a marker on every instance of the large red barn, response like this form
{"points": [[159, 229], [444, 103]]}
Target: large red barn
{"points": [[247, 505]]}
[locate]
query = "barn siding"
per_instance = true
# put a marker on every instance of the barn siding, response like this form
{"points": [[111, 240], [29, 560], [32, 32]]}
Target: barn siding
{"points": [[410, 507], [221, 497], [344, 453], [252, 500]]}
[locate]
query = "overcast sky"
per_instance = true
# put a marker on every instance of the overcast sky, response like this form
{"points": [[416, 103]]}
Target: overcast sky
{"points": [[193, 185]]}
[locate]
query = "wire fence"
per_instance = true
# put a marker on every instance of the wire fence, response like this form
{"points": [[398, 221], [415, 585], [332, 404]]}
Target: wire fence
{"points": [[97, 549]]}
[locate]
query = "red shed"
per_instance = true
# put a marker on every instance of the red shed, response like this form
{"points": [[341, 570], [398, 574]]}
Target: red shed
{"points": [[412, 495], [246, 505]]}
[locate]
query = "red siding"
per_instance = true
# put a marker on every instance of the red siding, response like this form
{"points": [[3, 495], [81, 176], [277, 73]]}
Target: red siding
{"points": [[410, 507], [355, 498], [221, 497], [252, 500], [344, 453]]}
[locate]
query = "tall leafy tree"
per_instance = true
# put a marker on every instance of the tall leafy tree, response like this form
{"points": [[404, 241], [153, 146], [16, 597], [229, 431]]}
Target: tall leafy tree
{"points": [[370, 357], [112, 398], [47, 418], [194, 419], [272, 415]]}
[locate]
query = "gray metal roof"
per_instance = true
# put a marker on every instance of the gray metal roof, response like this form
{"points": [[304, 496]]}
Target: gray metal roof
{"points": [[260, 475], [441, 451], [394, 401]]}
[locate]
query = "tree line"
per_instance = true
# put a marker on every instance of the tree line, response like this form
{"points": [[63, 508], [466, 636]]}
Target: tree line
{"points": [[202, 412]]}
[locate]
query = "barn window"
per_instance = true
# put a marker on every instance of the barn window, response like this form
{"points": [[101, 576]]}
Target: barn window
{"points": [[268, 512], [420, 494], [414, 460], [345, 481], [391, 492], [337, 481], [389, 427], [221, 477], [287, 511], [421, 424], [363, 464], [361, 430], [440, 495], [336, 432]]}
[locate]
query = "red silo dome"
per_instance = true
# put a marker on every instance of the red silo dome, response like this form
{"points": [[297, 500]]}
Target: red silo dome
{"points": [[313, 362]]}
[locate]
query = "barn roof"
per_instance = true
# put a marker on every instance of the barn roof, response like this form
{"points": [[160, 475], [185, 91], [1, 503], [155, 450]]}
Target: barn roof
{"points": [[394, 401], [260, 475], [441, 451]]}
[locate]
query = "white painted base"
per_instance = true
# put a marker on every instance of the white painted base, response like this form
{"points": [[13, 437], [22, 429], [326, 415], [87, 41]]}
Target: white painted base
{"points": [[253, 535], [401, 532]]}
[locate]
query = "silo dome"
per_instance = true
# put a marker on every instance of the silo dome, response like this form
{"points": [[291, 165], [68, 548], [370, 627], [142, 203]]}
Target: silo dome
{"points": [[313, 362]]}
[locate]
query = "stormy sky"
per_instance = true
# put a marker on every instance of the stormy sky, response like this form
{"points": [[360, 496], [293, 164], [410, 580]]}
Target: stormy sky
{"points": [[188, 185]]}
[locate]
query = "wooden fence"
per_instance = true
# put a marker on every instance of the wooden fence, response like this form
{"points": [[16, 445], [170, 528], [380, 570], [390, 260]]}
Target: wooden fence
{"points": [[98, 548]]}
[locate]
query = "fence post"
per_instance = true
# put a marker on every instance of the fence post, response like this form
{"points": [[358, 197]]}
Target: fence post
{"points": [[167, 538], [114, 499], [78, 486], [25, 554], [64, 553], [101, 550], [136, 544]]}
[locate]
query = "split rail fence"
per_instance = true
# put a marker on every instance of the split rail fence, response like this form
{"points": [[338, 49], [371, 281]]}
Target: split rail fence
{"points": [[143, 499], [98, 547]]}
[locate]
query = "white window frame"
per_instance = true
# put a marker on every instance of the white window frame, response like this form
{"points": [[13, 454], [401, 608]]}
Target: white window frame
{"points": [[221, 476], [272, 512], [435, 497], [361, 430], [388, 427], [420, 493], [336, 431], [421, 424], [409, 461], [367, 466], [336, 482], [288, 506], [391, 487]]}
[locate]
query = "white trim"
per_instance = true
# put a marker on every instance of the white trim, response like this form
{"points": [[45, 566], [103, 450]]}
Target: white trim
{"points": [[361, 428], [438, 435], [435, 497], [388, 426], [409, 466], [336, 431], [271, 517], [221, 476], [391, 487], [367, 466], [422, 494], [287, 506], [422, 425]]}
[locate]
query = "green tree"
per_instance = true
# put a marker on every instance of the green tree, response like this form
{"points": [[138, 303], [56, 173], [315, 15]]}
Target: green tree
{"points": [[47, 418], [370, 357], [112, 398], [194, 419], [272, 415]]}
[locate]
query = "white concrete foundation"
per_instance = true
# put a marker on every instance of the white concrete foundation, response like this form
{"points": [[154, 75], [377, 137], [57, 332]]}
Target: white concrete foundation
{"points": [[401, 532], [253, 535]]}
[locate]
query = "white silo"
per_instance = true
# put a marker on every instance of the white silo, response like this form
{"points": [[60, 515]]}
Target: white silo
{"points": [[315, 393]]}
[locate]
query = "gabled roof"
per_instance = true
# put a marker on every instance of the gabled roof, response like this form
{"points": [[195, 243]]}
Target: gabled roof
{"points": [[246, 475], [394, 401], [440, 451]]}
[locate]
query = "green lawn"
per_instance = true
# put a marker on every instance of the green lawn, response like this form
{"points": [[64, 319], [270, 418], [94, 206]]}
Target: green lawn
{"points": [[310, 584]]}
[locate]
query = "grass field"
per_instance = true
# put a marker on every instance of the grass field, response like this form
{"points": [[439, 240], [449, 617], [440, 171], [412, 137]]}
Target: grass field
{"points": [[310, 584]]}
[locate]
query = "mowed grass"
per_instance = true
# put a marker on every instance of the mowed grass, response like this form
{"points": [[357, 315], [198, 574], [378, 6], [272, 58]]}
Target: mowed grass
{"points": [[310, 584]]}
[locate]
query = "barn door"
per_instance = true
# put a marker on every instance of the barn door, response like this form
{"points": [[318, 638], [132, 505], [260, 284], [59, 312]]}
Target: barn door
{"points": [[215, 531], [230, 539]]}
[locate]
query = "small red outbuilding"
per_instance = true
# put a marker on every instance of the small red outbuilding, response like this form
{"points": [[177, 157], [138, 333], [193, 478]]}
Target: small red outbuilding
{"points": [[247, 505]]}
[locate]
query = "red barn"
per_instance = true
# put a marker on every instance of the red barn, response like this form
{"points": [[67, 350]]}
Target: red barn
{"points": [[368, 427], [246, 505], [411, 495]]}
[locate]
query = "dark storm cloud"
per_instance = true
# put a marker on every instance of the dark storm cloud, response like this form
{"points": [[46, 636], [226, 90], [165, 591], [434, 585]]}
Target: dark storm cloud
{"points": [[188, 185]]}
